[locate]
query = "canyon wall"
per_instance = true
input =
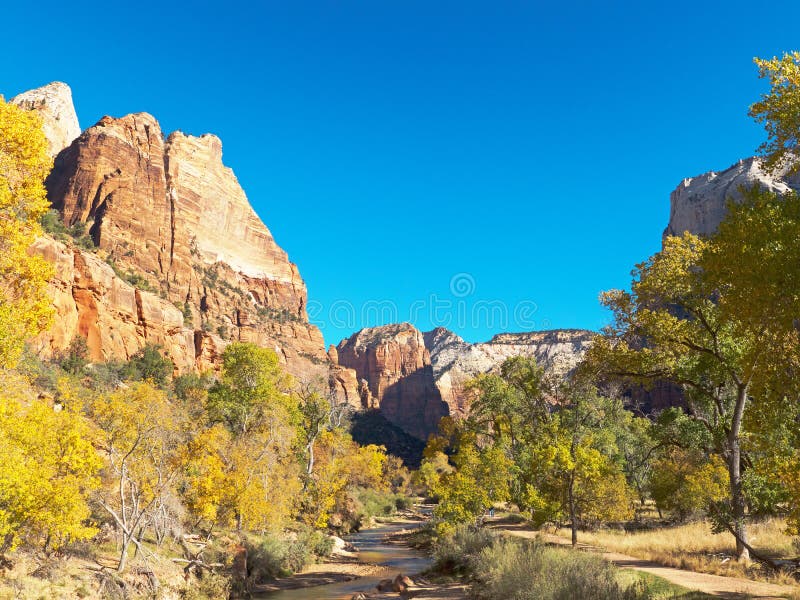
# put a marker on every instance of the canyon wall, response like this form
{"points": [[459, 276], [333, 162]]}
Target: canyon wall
{"points": [[182, 260], [698, 204], [416, 378]]}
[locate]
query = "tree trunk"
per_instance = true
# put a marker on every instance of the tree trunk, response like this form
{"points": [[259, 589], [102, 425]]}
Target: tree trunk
{"points": [[735, 474], [572, 518], [123, 556]]}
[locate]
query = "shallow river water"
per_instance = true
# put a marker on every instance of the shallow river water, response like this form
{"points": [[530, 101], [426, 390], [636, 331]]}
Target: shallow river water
{"points": [[372, 549]]}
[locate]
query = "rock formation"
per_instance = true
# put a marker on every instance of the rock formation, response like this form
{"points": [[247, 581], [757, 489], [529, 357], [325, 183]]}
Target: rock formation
{"points": [[182, 259], [455, 361], [53, 102], [415, 378], [397, 367], [114, 317], [698, 204]]}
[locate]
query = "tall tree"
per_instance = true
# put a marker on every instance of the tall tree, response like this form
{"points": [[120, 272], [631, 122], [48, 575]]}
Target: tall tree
{"points": [[677, 323], [24, 163]]}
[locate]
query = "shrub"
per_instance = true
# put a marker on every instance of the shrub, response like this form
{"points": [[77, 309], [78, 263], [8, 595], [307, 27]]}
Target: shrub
{"points": [[270, 556], [74, 358], [208, 586], [454, 553], [148, 365], [515, 570], [267, 559]]}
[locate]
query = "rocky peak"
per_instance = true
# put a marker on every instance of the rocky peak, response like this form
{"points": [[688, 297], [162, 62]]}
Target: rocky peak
{"points": [[416, 378], [396, 366], [699, 203], [59, 121], [183, 260]]}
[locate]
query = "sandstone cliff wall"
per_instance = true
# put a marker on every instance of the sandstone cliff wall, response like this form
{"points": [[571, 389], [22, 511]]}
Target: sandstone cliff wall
{"points": [[168, 216]]}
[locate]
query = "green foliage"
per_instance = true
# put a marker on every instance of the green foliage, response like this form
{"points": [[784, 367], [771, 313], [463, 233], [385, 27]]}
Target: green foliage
{"points": [[53, 224], [137, 280], [76, 356], [686, 482], [690, 303], [252, 385], [270, 557], [481, 478], [148, 364]]}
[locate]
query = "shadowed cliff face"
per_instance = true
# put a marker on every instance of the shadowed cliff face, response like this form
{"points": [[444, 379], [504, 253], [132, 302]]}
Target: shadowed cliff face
{"points": [[397, 368]]}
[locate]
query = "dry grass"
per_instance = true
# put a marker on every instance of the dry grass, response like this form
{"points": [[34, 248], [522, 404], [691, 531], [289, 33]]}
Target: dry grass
{"points": [[694, 547]]}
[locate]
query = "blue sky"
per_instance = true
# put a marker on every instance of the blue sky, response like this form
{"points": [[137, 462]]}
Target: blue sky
{"points": [[485, 166]]}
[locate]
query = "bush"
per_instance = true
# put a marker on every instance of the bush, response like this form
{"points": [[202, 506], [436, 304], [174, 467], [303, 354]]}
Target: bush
{"points": [[516, 570], [53, 224], [454, 553], [208, 586], [74, 358], [148, 365], [270, 557], [267, 559]]}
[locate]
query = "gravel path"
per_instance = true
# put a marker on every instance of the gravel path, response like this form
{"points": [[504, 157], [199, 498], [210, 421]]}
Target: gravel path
{"points": [[732, 588]]}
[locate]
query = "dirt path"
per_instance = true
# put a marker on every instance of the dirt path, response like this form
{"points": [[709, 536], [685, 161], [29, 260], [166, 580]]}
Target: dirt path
{"points": [[732, 588]]}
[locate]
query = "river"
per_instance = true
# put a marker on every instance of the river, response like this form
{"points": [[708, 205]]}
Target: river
{"points": [[372, 549]]}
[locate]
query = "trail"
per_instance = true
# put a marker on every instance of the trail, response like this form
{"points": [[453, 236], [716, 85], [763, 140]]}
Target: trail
{"points": [[732, 588]]}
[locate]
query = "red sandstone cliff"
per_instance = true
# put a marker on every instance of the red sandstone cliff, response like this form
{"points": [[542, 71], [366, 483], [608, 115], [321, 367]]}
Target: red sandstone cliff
{"points": [[397, 369], [173, 219]]}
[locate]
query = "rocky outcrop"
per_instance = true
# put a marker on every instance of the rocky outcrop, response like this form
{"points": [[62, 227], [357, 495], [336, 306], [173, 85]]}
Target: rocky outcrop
{"points": [[53, 102], [455, 361], [114, 317], [169, 211], [698, 204], [182, 259], [415, 378], [397, 367]]}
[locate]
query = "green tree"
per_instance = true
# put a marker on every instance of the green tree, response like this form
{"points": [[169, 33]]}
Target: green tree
{"points": [[676, 324], [252, 386], [480, 478], [572, 463]]}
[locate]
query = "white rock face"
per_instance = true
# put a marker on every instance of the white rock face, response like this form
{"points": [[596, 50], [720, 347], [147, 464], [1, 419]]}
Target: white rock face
{"points": [[54, 103], [455, 361], [698, 204]]}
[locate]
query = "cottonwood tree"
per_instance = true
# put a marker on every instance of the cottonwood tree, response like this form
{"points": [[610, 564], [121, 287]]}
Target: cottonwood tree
{"points": [[242, 469], [141, 437], [48, 468], [24, 163], [679, 323]]}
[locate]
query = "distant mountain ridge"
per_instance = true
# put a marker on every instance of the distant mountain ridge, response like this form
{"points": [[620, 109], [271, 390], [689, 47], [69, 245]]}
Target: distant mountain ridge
{"points": [[416, 378]]}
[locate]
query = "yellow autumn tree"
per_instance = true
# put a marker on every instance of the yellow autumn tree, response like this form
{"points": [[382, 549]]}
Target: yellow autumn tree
{"points": [[141, 435], [24, 163], [242, 469], [779, 109], [48, 468]]}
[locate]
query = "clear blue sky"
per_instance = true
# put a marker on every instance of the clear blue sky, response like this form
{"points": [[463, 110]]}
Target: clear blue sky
{"points": [[390, 146]]}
